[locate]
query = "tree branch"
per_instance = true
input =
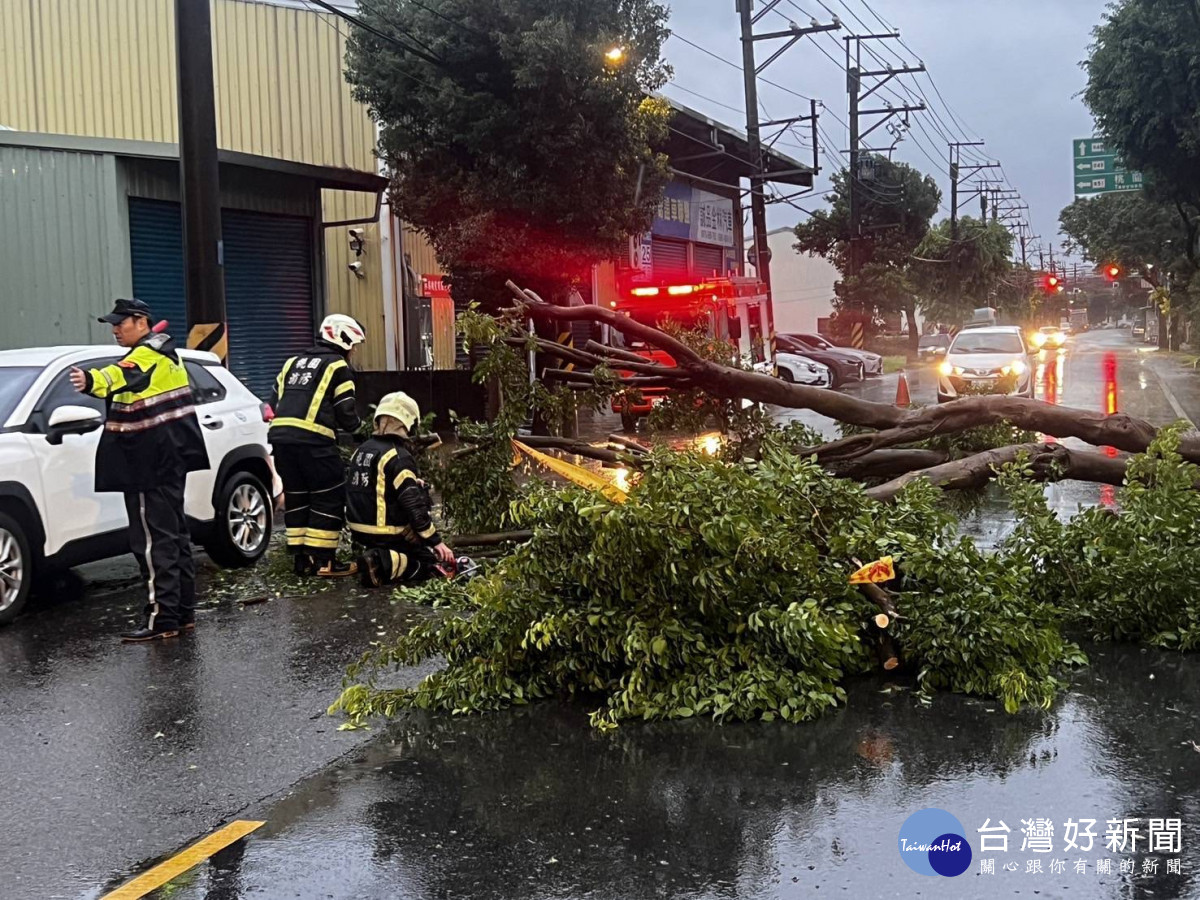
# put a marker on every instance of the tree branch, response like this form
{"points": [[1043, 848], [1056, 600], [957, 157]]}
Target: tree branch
{"points": [[896, 426], [1051, 462]]}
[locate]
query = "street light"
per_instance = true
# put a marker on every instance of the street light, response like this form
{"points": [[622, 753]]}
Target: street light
{"points": [[615, 55]]}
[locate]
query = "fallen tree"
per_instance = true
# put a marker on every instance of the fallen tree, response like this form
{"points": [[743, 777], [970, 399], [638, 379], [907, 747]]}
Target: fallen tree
{"points": [[721, 585]]}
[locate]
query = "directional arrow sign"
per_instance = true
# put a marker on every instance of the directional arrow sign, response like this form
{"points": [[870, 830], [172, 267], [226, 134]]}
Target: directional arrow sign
{"points": [[1097, 170], [1114, 182]]}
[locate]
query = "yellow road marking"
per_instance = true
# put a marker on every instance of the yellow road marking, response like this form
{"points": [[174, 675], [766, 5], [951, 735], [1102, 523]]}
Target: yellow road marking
{"points": [[181, 862]]}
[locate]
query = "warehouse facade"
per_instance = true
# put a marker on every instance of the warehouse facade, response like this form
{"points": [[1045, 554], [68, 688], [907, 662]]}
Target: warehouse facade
{"points": [[105, 70]]}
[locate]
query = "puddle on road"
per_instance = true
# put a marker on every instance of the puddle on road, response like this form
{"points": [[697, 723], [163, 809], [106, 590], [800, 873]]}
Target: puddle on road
{"points": [[531, 803]]}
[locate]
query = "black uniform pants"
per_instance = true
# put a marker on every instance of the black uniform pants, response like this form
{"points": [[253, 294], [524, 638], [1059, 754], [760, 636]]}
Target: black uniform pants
{"points": [[401, 562], [314, 498], [159, 539]]}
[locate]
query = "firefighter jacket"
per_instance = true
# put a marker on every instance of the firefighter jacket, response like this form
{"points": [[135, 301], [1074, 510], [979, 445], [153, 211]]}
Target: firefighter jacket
{"points": [[384, 498], [151, 435], [313, 397]]}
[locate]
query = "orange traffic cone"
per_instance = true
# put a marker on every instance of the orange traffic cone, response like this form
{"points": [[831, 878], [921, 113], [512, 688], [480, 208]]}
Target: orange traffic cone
{"points": [[903, 399]]}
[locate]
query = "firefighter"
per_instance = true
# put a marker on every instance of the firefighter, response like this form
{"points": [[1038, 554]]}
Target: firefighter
{"points": [[388, 506], [312, 399], [151, 440]]}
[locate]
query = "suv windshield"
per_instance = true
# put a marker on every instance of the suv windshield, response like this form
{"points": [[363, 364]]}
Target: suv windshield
{"points": [[14, 382], [934, 340], [988, 342]]}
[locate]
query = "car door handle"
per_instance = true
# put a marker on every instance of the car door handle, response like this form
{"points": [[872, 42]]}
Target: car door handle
{"points": [[212, 424]]}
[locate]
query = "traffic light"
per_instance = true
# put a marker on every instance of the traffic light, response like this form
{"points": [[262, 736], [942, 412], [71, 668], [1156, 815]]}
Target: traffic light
{"points": [[1053, 284], [1112, 272]]}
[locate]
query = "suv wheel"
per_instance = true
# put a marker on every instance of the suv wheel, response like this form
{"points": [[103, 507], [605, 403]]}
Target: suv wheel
{"points": [[16, 568], [242, 528]]}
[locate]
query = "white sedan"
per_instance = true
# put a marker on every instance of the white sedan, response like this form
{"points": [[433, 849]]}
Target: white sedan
{"points": [[798, 369], [50, 515]]}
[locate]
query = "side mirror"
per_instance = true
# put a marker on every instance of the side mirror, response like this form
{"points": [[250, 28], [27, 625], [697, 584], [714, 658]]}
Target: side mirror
{"points": [[735, 329], [72, 420]]}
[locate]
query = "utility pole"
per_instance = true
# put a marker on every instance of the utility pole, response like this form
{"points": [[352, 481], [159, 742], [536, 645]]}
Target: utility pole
{"points": [[957, 175], [199, 174], [854, 87], [761, 255]]}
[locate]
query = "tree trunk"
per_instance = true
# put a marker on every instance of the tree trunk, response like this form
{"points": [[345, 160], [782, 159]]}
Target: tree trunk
{"points": [[914, 335]]}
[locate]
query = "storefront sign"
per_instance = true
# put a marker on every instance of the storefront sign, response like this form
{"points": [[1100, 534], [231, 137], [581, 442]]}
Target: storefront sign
{"points": [[691, 214], [434, 286]]}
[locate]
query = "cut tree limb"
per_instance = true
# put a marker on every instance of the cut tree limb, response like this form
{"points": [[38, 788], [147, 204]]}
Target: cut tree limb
{"points": [[489, 540], [886, 463]]}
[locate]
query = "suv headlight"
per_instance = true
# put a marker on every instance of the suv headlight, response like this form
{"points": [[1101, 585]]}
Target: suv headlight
{"points": [[1016, 367], [946, 368]]}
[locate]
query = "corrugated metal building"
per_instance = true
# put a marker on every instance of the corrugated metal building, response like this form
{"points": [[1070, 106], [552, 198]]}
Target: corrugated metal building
{"points": [[106, 69], [83, 220]]}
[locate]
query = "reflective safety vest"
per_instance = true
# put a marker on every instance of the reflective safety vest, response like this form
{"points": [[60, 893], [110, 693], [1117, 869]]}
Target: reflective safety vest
{"points": [[313, 397], [151, 435], [384, 498]]}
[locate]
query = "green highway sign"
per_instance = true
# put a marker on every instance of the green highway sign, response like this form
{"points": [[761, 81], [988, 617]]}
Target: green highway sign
{"points": [[1095, 169], [1086, 148], [1113, 182]]}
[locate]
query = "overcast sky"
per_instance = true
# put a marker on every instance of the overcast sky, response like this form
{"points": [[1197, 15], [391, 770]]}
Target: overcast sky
{"points": [[1009, 70]]}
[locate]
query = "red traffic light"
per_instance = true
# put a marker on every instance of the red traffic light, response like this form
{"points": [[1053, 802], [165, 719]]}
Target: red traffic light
{"points": [[1112, 272], [1053, 284]]}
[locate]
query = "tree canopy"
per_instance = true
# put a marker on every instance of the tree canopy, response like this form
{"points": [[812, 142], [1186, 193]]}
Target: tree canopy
{"points": [[1130, 230], [898, 204], [1143, 89], [513, 140], [955, 277]]}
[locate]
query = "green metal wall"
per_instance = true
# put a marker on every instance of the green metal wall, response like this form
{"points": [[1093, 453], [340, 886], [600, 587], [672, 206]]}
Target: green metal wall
{"points": [[63, 248]]}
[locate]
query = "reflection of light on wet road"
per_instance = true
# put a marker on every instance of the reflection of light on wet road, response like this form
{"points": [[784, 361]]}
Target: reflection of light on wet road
{"points": [[1108, 495], [1110, 383], [1049, 375]]}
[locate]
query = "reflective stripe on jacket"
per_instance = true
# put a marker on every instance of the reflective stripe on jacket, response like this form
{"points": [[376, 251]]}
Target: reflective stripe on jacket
{"points": [[313, 397], [384, 496], [151, 435]]}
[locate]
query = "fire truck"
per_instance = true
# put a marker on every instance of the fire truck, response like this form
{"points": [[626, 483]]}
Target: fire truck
{"points": [[731, 308]]}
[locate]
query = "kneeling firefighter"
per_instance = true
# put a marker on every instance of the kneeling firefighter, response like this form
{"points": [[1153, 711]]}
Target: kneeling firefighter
{"points": [[313, 398], [388, 507]]}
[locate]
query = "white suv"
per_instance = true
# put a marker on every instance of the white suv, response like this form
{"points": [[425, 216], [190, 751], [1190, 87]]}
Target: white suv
{"points": [[50, 515]]}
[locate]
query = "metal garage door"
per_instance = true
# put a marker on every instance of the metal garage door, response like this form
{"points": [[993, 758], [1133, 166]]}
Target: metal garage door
{"points": [[670, 258], [268, 293], [268, 282], [156, 250]]}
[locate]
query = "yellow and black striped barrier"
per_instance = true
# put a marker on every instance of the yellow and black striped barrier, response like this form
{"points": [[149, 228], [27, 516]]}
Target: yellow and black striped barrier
{"points": [[211, 337], [856, 336]]}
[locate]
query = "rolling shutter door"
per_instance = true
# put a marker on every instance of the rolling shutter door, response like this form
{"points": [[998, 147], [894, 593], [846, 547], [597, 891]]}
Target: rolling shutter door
{"points": [[670, 258], [268, 293], [709, 259], [156, 252], [268, 283]]}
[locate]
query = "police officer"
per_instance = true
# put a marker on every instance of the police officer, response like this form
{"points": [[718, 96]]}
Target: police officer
{"points": [[151, 440], [388, 507], [313, 398]]}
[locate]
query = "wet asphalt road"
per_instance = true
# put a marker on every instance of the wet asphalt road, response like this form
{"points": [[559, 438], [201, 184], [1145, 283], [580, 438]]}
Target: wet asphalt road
{"points": [[116, 756], [113, 755]]}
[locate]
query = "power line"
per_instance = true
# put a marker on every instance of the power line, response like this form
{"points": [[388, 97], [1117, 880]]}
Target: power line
{"points": [[391, 39], [733, 65]]}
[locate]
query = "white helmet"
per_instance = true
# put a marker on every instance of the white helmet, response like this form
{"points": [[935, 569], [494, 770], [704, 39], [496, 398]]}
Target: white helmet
{"points": [[399, 406], [342, 331]]}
